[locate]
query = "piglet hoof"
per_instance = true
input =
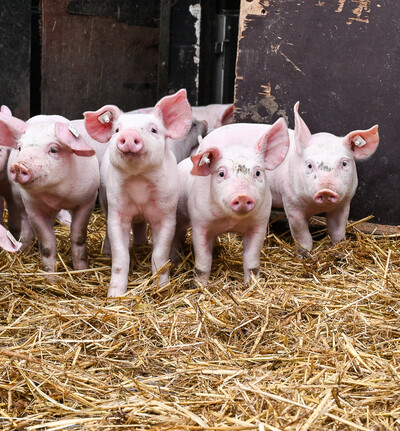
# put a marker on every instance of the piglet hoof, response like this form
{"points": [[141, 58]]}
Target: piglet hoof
{"points": [[52, 278], [251, 275], [201, 276], [116, 291], [303, 253], [162, 280], [81, 265]]}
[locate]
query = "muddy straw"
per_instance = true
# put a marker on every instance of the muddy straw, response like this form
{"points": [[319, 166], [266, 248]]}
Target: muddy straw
{"points": [[311, 345]]}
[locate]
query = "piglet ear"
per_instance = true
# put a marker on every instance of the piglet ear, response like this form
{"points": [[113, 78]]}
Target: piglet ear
{"points": [[302, 133], [204, 162], [227, 116], [176, 114], [100, 124], [7, 241], [274, 144], [6, 110], [11, 129], [363, 143], [70, 137]]}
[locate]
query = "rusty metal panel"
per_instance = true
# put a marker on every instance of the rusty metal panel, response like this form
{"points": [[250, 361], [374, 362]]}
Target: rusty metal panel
{"points": [[340, 59], [89, 61], [15, 43]]}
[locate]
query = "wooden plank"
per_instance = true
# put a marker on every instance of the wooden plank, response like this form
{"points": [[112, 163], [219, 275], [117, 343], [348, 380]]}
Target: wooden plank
{"points": [[15, 43], [163, 52], [340, 60], [133, 12], [185, 48], [89, 61]]}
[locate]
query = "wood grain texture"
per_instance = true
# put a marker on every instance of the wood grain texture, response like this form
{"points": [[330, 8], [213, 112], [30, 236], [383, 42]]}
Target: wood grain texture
{"points": [[15, 43], [89, 61]]}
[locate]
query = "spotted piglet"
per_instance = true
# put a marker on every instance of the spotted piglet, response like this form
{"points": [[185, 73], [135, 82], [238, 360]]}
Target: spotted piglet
{"points": [[139, 178], [224, 188], [319, 176]]}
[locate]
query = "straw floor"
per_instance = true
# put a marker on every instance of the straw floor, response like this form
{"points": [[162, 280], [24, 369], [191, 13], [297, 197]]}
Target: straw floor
{"points": [[312, 344]]}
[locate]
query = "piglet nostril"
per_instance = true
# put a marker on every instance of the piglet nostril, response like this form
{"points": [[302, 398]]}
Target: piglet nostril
{"points": [[242, 204]]}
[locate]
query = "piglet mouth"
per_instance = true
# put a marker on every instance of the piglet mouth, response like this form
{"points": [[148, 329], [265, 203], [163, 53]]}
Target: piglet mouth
{"points": [[326, 196], [20, 173]]}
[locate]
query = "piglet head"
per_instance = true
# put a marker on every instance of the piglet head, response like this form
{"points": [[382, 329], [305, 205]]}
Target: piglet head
{"points": [[326, 163], [138, 140], [45, 151], [235, 184]]}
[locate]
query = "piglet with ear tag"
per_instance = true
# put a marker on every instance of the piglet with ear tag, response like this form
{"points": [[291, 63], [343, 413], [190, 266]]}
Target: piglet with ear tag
{"points": [[224, 188], [139, 180], [54, 169], [319, 176]]}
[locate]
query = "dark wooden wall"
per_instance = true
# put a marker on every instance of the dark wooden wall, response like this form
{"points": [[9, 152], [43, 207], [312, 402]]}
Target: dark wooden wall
{"points": [[341, 60], [15, 43], [94, 53]]}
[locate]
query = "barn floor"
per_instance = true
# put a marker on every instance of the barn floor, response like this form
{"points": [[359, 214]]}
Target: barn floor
{"points": [[312, 345]]}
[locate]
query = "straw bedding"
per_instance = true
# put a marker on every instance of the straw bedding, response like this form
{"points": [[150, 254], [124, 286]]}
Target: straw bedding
{"points": [[312, 344]]}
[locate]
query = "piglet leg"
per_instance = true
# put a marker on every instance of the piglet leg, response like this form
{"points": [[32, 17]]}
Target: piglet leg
{"points": [[252, 245], [298, 222], [119, 227], [79, 223], [336, 222], [163, 234], [42, 223], [203, 245]]}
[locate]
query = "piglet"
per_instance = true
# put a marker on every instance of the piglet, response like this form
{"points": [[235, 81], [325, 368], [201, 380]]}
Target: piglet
{"points": [[216, 114], [139, 178], [224, 188], [54, 169], [319, 176]]}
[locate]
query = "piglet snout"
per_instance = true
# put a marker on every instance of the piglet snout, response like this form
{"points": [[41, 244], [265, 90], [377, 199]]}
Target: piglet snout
{"points": [[20, 173], [129, 141], [242, 204], [326, 196]]}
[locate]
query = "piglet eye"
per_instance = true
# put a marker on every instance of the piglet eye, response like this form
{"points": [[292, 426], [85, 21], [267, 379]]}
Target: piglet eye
{"points": [[153, 130], [221, 174], [309, 166], [258, 173], [344, 163], [117, 130], [53, 150]]}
